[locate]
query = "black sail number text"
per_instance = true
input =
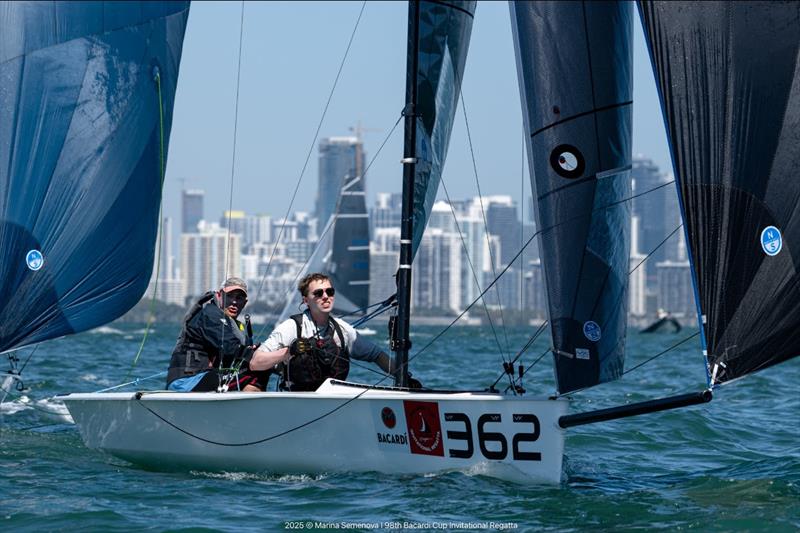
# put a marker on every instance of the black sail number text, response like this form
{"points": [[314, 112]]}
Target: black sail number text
{"points": [[493, 444]]}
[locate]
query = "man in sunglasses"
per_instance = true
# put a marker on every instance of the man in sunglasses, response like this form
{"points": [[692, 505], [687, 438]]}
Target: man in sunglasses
{"points": [[319, 345], [212, 341]]}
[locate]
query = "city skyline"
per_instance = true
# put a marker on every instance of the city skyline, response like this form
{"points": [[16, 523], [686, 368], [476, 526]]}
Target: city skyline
{"points": [[466, 244], [282, 96]]}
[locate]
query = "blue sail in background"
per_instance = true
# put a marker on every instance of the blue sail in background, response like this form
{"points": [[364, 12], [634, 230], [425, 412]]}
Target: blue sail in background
{"points": [[444, 33], [82, 86], [728, 76], [574, 63]]}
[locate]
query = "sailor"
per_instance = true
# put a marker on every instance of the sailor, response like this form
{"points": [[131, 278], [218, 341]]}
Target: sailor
{"points": [[212, 339], [319, 345]]}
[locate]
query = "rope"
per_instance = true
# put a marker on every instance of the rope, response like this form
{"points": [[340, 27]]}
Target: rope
{"points": [[151, 309], [474, 275], [310, 150], [690, 337], [483, 214], [235, 135], [327, 228]]}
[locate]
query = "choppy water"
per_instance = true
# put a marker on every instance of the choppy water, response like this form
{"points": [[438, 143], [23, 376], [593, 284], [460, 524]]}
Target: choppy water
{"points": [[733, 464]]}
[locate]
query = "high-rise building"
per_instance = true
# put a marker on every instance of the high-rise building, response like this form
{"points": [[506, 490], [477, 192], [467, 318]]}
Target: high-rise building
{"points": [[191, 209], [387, 211], [503, 221], [637, 294], [535, 298], [436, 281], [339, 158], [384, 260], [675, 291], [656, 205], [168, 288], [207, 259]]}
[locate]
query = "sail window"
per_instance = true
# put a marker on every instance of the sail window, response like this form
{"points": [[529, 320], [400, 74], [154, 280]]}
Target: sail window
{"points": [[567, 161]]}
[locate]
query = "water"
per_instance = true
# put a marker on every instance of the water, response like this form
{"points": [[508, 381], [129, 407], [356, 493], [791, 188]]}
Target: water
{"points": [[733, 464]]}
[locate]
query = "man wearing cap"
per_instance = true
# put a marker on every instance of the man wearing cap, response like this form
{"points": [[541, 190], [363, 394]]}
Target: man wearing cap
{"points": [[213, 339]]}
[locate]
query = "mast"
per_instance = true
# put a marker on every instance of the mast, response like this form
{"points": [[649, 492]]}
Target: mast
{"points": [[400, 333]]}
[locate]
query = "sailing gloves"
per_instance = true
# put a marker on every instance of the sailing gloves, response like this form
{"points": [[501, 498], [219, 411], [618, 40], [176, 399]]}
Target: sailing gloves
{"points": [[300, 346]]}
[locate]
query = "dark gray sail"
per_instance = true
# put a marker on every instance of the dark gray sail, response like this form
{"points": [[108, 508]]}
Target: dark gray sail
{"points": [[575, 76], [444, 32], [729, 79]]}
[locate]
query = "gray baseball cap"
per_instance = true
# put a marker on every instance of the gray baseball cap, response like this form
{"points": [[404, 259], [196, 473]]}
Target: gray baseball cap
{"points": [[234, 284]]}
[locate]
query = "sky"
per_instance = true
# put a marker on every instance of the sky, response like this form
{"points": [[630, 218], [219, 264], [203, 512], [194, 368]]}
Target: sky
{"points": [[291, 52]]}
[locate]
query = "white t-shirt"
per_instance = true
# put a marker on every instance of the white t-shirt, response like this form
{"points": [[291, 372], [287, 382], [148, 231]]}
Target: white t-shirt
{"points": [[285, 334]]}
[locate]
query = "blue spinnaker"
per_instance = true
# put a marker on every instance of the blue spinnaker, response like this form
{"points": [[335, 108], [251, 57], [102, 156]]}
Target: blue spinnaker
{"points": [[86, 94]]}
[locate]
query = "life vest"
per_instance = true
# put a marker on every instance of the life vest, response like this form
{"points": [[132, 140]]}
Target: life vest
{"points": [[190, 355], [326, 359]]}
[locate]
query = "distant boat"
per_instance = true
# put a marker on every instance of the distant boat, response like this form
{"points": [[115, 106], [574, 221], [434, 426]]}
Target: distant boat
{"points": [[664, 323]]}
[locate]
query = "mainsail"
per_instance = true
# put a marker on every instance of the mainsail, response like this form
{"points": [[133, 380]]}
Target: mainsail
{"points": [[342, 252], [574, 63], [82, 87], [441, 53], [729, 80]]}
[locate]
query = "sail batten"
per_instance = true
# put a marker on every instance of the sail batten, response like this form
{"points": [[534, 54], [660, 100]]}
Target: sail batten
{"points": [[82, 88], [728, 76], [575, 75]]}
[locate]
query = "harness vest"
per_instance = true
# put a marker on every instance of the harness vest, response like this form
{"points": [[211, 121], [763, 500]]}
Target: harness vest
{"points": [[326, 359], [191, 355]]}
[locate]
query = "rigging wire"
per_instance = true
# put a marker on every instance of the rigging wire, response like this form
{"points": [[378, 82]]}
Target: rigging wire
{"points": [[311, 149], [162, 171], [483, 214], [328, 227], [474, 274]]}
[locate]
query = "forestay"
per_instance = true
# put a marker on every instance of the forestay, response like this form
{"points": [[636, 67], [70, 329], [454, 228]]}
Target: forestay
{"points": [[574, 68], [729, 80], [444, 34], [81, 88]]}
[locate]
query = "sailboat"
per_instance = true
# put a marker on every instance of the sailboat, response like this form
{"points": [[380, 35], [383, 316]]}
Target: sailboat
{"points": [[348, 426], [728, 79]]}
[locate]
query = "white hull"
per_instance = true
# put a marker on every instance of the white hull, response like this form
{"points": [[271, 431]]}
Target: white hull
{"points": [[337, 428]]}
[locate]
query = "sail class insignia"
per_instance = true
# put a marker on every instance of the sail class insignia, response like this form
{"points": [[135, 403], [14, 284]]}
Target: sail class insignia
{"points": [[34, 259], [771, 240], [567, 161], [591, 331]]}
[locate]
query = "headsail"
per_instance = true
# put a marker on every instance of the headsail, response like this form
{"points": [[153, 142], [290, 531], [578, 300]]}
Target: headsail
{"points": [[444, 32], [574, 62], [81, 88], [729, 79], [342, 252]]}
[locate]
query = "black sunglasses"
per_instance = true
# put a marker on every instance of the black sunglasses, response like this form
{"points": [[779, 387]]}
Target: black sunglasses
{"points": [[235, 297], [330, 291]]}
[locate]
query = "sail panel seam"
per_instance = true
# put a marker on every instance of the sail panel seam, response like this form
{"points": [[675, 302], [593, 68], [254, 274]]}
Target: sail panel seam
{"points": [[580, 115]]}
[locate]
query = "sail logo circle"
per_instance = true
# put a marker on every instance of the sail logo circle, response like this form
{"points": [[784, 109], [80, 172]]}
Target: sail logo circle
{"points": [[771, 240], [567, 161], [591, 330], [34, 259]]}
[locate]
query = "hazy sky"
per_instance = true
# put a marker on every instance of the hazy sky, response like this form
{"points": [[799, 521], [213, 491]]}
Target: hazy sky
{"points": [[290, 55]]}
